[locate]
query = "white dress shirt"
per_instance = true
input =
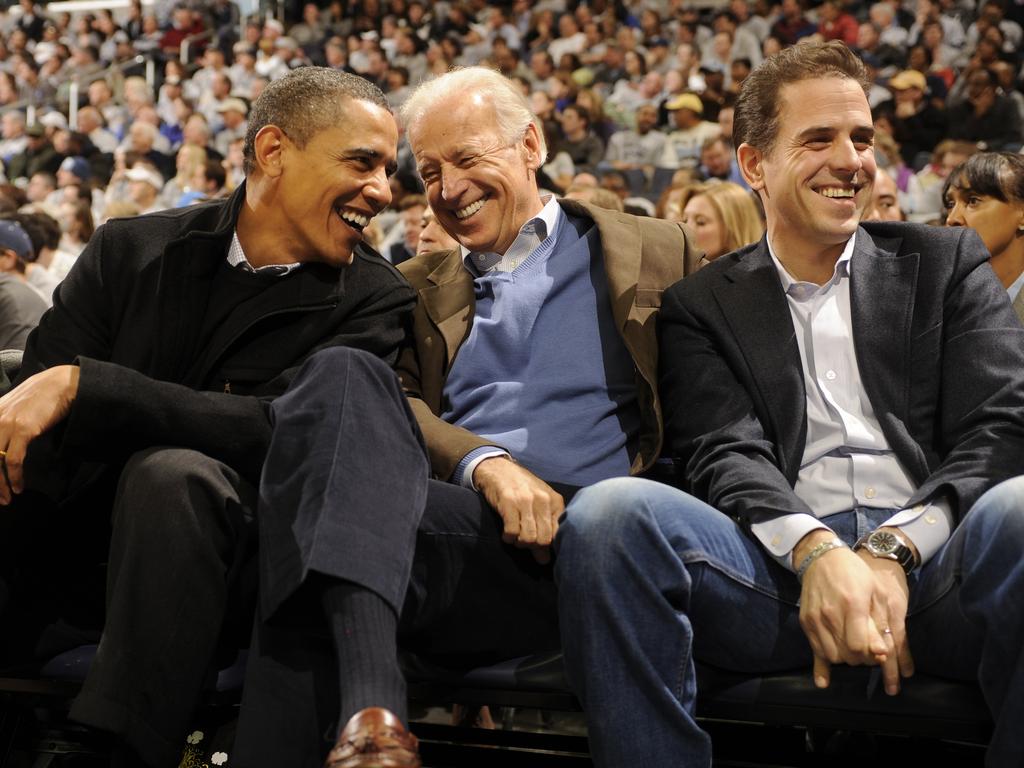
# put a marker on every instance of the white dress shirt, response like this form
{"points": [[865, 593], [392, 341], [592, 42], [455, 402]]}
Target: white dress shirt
{"points": [[847, 461]]}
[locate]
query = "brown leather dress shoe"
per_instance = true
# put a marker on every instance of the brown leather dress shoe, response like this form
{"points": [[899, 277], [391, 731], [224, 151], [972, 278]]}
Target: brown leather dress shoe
{"points": [[374, 738]]}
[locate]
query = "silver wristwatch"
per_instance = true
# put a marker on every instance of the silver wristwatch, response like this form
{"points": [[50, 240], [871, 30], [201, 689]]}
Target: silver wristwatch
{"points": [[889, 545]]}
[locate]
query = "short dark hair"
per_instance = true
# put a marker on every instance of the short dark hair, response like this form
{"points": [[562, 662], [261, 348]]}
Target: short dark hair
{"points": [[756, 120], [992, 174], [305, 102], [214, 171], [581, 112], [47, 226]]}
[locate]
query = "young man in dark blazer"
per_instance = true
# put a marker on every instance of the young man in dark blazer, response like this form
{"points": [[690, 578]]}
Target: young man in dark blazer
{"points": [[144, 399], [845, 402]]}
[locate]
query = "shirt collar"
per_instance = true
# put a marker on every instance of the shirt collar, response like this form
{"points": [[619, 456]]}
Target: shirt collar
{"points": [[531, 234], [1016, 286], [236, 258], [804, 290]]}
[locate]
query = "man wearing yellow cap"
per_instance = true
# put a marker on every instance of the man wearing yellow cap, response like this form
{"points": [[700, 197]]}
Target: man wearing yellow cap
{"points": [[683, 145], [918, 125]]}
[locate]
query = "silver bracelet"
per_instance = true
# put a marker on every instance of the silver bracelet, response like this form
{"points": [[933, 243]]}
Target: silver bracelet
{"points": [[819, 549]]}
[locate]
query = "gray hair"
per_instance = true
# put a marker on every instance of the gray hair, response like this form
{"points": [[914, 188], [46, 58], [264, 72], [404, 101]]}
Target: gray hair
{"points": [[511, 109], [305, 102], [883, 8]]}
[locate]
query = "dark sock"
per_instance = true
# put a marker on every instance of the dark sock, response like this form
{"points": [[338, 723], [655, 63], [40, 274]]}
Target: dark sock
{"points": [[124, 756], [363, 627]]}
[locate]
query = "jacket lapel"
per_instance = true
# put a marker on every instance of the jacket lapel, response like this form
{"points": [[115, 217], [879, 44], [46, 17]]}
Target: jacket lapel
{"points": [[756, 309], [449, 302], [187, 268], [186, 274], [882, 283], [621, 244]]}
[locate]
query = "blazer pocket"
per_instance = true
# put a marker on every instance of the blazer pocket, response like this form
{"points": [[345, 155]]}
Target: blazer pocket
{"points": [[648, 297]]}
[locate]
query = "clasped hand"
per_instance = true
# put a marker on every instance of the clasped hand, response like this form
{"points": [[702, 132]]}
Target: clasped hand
{"points": [[27, 411], [853, 610], [529, 508]]}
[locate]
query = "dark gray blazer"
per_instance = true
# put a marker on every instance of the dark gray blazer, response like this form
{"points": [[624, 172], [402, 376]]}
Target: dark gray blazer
{"points": [[940, 351]]}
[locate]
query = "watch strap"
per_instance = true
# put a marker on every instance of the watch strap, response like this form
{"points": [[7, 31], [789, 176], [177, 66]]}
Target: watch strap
{"points": [[902, 553]]}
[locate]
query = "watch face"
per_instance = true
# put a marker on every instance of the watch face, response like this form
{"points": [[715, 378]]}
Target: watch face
{"points": [[883, 542]]}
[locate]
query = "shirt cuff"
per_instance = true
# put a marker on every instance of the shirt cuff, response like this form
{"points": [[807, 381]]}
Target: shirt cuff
{"points": [[463, 474], [928, 526], [779, 535]]}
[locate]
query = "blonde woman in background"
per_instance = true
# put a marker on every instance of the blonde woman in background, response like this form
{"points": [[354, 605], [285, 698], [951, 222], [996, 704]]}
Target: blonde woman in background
{"points": [[722, 217], [188, 160]]}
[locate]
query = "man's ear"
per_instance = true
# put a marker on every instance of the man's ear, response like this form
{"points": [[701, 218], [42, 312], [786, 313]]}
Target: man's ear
{"points": [[8, 260], [750, 161], [268, 150], [531, 145]]}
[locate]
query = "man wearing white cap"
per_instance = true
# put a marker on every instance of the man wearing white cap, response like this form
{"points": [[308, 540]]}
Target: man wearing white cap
{"points": [[232, 113], [144, 187], [683, 145]]}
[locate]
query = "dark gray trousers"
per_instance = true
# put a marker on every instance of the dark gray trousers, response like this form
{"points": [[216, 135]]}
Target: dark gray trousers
{"points": [[183, 532], [345, 494]]}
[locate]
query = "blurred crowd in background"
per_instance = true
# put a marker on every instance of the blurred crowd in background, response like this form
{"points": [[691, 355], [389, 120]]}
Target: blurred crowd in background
{"points": [[128, 111]]}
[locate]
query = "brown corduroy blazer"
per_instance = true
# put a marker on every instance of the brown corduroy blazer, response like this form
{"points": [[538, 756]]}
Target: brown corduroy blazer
{"points": [[643, 257]]}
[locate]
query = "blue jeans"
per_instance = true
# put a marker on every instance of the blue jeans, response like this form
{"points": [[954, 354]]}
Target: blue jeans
{"points": [[651, 579]]}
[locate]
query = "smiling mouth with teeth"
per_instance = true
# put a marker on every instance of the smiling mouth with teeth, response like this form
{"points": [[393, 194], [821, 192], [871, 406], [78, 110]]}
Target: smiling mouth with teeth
{"points": [[837, 193], [469, 210], [355, 220]]}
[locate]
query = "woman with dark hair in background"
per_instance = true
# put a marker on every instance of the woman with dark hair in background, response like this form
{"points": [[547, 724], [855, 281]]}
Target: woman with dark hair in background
{"points": [[986, 193]]}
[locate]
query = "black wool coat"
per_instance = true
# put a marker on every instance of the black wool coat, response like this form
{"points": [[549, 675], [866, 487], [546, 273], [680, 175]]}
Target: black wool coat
{"points": [[130, 312]]}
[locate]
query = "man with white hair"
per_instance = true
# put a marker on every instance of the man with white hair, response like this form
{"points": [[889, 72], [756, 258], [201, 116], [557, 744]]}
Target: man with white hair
{"points": [[12, 131], [883, 16], [142, 139], [91, 123], [536, 287]]}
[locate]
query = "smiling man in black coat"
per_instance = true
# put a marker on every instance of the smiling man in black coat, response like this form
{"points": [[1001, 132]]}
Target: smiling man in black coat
{"points": [[146, 391]]}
